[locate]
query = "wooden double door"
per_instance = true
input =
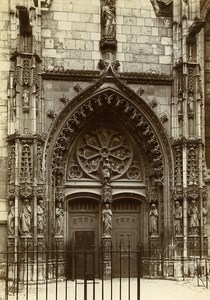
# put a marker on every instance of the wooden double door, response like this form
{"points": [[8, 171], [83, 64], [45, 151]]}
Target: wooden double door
{"points": [[84, 237]]}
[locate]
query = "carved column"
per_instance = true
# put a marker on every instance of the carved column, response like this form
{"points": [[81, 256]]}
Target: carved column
{"points": [[188, 147]]}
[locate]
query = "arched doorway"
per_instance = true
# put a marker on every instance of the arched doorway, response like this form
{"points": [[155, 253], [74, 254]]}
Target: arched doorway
{"points": [[107, 128], [99, 141], [83, 236]]}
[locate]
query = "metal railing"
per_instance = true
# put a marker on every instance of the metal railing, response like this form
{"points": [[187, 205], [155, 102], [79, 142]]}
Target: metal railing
{"points": [[89, 273]]}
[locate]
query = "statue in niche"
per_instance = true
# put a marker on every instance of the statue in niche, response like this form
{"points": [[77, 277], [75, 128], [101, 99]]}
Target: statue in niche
{"points": [[205, 213], [26, 99], [190, 103], [25, 218], [106, 167], [11, 218], [178, 218], [153, 220], [107, 221], [40, 218], [59, 215], [194, 218], [109, 18]]}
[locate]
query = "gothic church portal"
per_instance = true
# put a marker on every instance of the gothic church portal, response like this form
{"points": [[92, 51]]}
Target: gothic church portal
{"points": [[105, 137]]}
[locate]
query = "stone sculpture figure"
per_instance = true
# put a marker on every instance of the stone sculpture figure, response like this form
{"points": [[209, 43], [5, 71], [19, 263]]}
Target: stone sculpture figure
{"points": [[25, 218], [106, 171], [205, 213], [178, 218], [153, 214], [109, 18], [25, 98], [59, 214], [194, 218], [40, 218], [107, 221], [11, 218]]}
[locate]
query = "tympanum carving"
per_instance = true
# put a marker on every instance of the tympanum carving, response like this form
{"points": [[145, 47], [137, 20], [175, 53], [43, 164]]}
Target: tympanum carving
{"points": [[104, 152]]}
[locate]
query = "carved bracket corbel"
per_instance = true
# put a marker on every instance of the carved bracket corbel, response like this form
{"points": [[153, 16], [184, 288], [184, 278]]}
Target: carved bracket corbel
{"points": [[77, 87], [196, 27], [52, 114]]}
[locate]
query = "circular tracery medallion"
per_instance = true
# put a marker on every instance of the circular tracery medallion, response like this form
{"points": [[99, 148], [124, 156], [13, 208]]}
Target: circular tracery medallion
{"points": [[102, 144]]}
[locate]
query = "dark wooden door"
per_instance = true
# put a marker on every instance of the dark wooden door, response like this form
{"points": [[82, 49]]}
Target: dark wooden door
{"points": [[82, 237], [84, 250], [125, 238]]}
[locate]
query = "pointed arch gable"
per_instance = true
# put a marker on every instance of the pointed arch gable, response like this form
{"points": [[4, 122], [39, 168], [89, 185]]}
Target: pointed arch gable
{"points": [[144, 123]]}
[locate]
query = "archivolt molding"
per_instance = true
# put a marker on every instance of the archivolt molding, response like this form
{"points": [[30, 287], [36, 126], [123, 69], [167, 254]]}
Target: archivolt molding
{"points": [[147, 125], [143, 130], [88, 102], [205, 4], [84, 100]]}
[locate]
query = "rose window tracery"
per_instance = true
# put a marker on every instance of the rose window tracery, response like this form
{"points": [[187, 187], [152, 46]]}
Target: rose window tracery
{"points": [[104, 145]]}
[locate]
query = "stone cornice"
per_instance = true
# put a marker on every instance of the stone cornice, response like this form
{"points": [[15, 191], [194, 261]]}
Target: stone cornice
{"points": [[25, 55], [25, 136], [129, 77], [184, 140]]}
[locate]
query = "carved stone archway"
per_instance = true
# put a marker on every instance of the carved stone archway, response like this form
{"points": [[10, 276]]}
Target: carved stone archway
{"points": [[144, 127]]}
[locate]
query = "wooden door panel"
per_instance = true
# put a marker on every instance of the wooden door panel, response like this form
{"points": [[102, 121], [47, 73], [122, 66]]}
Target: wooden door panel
{"points": [[125, 242]]}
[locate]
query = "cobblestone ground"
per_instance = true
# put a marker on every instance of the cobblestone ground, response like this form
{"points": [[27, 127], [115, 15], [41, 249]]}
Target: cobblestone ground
{"points": [[149, 290]]}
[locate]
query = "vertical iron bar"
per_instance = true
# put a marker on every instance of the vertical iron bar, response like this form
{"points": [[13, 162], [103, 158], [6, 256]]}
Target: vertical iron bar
{"points": [[111, 270], [183, 267], [85, 279], [94, 271], [66, 255], [197, 272], [7, 274], [37, 273], [102, 263], [129, 270], [138, 272], [56, 271], [17, 268], [27, 271], [206, 270], [46, 274], [120, 269], [75, 273]]}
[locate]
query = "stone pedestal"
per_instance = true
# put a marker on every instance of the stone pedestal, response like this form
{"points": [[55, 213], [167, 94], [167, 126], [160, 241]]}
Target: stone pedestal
{"points": [[106, 256]]}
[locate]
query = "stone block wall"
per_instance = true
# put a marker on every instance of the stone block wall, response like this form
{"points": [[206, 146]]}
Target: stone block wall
{"points": [[4, 76], [71, 31]]}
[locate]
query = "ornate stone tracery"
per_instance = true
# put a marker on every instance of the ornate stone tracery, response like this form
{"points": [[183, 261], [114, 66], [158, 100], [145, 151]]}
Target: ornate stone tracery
{"points": [[118, 103], [101, 144]]}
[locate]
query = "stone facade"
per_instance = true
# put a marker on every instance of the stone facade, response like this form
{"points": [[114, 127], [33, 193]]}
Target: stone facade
{"points": [[137, 71]]}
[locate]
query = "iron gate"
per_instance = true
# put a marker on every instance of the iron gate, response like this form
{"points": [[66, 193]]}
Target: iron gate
{"points": [[73, 275], [90, 274]]}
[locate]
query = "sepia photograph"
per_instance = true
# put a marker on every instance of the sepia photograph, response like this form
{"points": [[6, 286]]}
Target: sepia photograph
{"points": [[104, 149]]}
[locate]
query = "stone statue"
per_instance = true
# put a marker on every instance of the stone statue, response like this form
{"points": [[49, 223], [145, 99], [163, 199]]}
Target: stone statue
{"points": [[109, 18], [178, 218], [153, 220], [106, 171], [59, 215], [107, 221], [40, 218], [25, 218], [205, 213], [11, 218], [194, 218], [26, 98]]}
